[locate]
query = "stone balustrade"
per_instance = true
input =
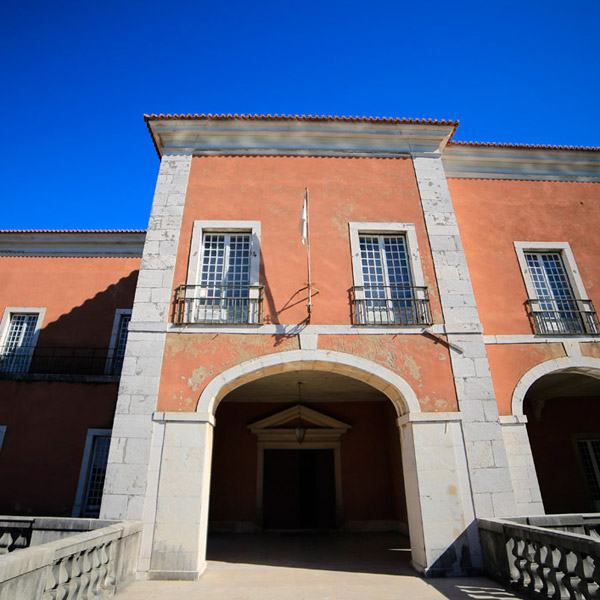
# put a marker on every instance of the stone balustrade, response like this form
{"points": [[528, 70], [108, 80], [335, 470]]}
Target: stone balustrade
{"points": [[82, 565], [555, 556]]}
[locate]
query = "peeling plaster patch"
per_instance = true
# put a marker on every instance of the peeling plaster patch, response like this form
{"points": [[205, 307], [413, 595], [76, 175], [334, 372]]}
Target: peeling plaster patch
{"points": [[412, 366], [198, 375]]}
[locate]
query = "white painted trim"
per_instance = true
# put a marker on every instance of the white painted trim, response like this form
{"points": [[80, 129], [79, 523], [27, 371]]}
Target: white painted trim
{"points": [[565, 251], [386, 381], [569, 364], [429, 417], [83, 244], [541, 164], [85, 464], [2, 434], [196, 248], [406, 229], [183, 417], [295, 137], [114, 336], [508, 420], [536, 339], [29, 310]]}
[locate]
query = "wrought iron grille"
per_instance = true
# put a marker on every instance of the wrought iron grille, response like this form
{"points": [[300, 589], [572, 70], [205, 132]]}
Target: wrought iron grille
{"points": [[391, 305], [60, 361], [219, 304], [563, 317]]}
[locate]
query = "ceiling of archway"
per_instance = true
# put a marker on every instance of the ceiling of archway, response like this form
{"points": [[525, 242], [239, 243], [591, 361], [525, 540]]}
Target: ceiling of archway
{"points": [[317, 386], [562, 385]]}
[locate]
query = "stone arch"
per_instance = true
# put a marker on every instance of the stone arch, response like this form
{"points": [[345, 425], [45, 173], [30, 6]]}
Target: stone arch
{"points": [[569, 364], [389, 383]]}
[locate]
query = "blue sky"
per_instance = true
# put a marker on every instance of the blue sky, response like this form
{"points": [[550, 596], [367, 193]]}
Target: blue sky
{"points": [[78, 76]]}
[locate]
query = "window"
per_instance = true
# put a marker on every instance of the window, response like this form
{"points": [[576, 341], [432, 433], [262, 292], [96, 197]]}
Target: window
{"points": [[2, 434], [20, 329], [388, 278], [118, 339], [92, 474], [589, 453], [223, 275], [557, 300]]}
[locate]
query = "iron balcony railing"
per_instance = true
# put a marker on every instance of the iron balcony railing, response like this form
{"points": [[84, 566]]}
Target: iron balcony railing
{"points": [[391, 305], [563, 317], [219, 304], [60, 361]]}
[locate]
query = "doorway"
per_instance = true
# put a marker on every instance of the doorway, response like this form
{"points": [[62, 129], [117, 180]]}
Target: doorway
{"points": [[299, 489]]}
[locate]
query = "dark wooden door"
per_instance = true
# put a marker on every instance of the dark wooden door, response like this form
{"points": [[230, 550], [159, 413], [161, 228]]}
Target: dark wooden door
{"points": [[298, 489]]}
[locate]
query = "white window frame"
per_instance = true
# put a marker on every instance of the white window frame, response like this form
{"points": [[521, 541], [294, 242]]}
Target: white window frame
{"points": [[85, 467], [408, 230], [232, 227], [2, 434], [114, 337], [568, 258], [28, 310]]}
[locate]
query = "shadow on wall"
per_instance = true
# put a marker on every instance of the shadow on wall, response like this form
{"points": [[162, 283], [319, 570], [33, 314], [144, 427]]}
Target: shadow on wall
{"points": [[90, 324], [47, 418]]}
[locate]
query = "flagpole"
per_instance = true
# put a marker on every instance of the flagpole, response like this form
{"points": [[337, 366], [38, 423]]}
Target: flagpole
{"points": [[308, 255]]}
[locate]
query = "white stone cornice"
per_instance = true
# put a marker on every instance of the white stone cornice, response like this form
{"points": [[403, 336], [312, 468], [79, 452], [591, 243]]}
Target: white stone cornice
{"points": [[502, 162], [78, 244], [303, 138]]}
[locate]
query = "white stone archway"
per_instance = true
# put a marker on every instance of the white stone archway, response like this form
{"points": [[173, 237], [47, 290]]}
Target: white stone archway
{"points": [[568, 364], [438, 492], [386, 381], [516, 438]]}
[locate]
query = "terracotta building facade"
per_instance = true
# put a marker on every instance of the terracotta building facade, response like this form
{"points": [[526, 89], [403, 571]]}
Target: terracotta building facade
{"points": [[438, 363]]}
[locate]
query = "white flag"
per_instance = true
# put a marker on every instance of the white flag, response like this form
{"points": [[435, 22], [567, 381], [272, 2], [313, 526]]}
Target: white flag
{"points": [[303, 225]]}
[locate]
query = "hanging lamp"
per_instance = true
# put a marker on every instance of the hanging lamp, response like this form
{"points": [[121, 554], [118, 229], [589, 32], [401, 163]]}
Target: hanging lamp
{"points": [[300, 429]]}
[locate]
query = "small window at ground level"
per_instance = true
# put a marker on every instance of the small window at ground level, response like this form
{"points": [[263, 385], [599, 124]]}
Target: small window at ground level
{"points": [[589, 452], [92, 474], [2, 433], [95, 478]]}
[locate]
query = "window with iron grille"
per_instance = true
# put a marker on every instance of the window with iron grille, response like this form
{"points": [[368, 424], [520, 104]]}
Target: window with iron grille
{"points": [[95, 476], [555, 309], [557, 301], [387, 295], [225, 278], [19, 342], [589, 452]]}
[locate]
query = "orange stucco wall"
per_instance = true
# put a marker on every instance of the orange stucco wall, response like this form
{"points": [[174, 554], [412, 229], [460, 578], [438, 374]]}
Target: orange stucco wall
{"points": [[492, 214], [191, 361], [509, 362], [47, 424], [270, 190], [47, 421], [371, 468], [80, 295]]}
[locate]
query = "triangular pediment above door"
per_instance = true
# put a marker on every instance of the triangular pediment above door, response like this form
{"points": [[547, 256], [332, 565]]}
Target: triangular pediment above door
{"points": [[309, 417]]}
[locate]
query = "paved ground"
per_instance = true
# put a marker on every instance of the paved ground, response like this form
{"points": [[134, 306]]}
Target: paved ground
{"points": [[341, 567]]}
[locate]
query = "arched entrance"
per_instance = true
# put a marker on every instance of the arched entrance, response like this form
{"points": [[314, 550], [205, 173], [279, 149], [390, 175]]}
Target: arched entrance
{"points": [[561, 401], [341, 471], [437, 509]]}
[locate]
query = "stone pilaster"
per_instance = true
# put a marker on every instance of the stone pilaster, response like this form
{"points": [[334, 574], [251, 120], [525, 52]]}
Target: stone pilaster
{"points": [[521, 465], [491, 483], [127, 469]]}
